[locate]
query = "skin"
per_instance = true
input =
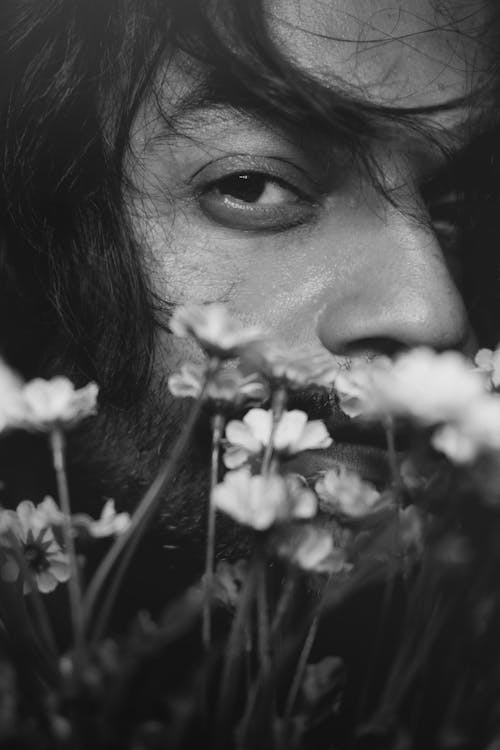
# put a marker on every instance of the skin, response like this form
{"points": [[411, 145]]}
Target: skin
{"points": [[318, 257]]}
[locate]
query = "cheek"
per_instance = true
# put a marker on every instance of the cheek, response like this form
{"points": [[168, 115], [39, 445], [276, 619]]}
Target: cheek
{"points": [[278, 281], [184, 266]]}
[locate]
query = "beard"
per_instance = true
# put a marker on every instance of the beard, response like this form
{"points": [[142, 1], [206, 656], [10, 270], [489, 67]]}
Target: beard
{"points": [[119, 453]]}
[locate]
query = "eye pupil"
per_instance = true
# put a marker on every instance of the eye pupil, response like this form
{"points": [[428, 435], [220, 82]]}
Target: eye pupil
{"points": [[245, 187]]}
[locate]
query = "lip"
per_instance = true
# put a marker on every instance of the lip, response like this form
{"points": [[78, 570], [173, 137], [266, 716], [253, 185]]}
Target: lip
{"points": [[369, 461]]}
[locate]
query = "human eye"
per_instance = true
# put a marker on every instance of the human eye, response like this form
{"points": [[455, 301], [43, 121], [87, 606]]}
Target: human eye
{"points": [[446, 209], [447, 217], [256, 194]]}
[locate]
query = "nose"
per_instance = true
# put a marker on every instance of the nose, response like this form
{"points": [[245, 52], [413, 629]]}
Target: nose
{"points": [[396, 291]]}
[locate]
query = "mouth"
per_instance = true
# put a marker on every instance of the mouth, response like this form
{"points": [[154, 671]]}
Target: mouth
{"points": [[369, 462], [359, 447]]}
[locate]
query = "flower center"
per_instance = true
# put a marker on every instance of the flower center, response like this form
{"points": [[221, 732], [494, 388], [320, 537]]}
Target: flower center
{"points": [[35, 557]]}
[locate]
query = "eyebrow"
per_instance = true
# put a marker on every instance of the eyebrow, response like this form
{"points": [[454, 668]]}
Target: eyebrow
{"points": [[218, 95]]}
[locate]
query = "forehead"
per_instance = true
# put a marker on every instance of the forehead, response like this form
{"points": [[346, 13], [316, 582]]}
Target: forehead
{"points": [[405, 53]]}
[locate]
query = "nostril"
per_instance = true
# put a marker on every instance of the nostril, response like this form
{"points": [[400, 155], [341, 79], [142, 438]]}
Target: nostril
{"points": [[373, 346]]}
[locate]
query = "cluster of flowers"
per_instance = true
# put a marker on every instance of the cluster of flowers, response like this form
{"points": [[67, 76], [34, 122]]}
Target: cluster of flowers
{"points": [[243, 369], [443, 393], [322, 524], [31, 539]]}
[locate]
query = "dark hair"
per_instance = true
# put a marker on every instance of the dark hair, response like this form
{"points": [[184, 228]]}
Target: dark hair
{"points": [[74, 295]]}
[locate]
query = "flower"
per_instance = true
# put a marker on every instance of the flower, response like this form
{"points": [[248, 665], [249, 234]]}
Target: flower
{"points": [[43, 556], [11, 403], [49, 512], [360, 388], [476, 431], [215, 330], [110, 522], [488, 361], [344, 492], [231, 388], [188, 383], [295, 369], [424, 385], [293, 434], [42, 404], [312, 548], [225, 388], [259, 501], [56, 402]]}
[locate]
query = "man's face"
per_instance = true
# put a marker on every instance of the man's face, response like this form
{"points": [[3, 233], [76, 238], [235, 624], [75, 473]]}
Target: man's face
{"points": [[284, 227]]}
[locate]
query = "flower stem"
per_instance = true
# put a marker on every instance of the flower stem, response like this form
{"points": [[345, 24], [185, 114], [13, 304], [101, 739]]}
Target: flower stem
{"points": [[217, 432], [282, 606], [237, 646], [142, 513], [263, 620], [392, 456], [277, 407], [299, 672], [58, 447]]}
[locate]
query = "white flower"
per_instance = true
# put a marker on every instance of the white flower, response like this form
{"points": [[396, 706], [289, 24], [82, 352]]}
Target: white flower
{"points": [[110, 522], [293, 434], [11, 402], [300, 368], [424, 385], [228, 387], [231, 388], [40, 405], [476, 431], [188, 383], [48, 564], [488, 361], [215, 330], [360, 388], [312, 548], [260, 502], [344, 492], [49, 512], [56, 402]]}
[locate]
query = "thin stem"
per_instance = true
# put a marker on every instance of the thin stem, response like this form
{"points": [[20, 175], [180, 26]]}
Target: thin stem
{"points": [[301, 668], [262, 620], [392, 456], [237, 642], [58, 446], [107, 606], [282, 606], [277, 407], [217, 432], [142, 513]]}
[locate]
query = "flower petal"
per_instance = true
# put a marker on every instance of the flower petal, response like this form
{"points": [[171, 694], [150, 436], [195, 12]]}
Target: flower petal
{"points": [[314, 436], [235, 457], [240, 434], [289, 429], [9, 571], [260, 423], [45, 582]]}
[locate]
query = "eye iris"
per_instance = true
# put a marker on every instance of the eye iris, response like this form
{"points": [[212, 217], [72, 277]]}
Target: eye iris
{"points": [[244, 187]]}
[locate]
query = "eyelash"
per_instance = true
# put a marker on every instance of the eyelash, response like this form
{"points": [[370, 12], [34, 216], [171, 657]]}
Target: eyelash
{"points": [[446, 213], [235, 212]]}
